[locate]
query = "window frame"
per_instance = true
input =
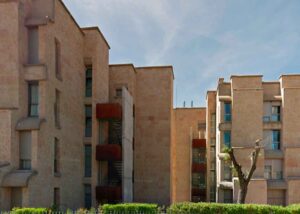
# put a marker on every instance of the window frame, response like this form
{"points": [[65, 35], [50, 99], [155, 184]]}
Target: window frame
{"points": [[30, 98], [227, 115], [89, 78]]}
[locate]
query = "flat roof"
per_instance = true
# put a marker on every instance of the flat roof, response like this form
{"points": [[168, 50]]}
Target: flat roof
{"points": [[158, 66], [99, 31]]}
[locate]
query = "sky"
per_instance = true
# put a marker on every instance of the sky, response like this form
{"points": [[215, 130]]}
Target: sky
{"points": [[203, 39]]}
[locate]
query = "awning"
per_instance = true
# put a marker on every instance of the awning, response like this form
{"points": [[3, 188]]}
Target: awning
{"points": [[29, 123], [17, 178]]}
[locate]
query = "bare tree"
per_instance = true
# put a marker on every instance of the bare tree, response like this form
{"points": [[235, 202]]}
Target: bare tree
{"points": [[244, 178]]}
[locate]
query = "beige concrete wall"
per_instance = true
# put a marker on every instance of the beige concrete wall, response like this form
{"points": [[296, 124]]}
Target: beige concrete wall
{"points": [[186, 126], [257, 192], [152, 155], [293, 194]]}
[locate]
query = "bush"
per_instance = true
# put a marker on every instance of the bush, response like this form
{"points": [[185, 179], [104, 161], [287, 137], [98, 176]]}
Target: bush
{"points": [[217, 208], [130, 208], [29, 210]]}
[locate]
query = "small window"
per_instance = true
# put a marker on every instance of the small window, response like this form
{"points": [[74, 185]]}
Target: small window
{"points": [[57, 109], [268, 172], [87, 196], [56, 198], [58, 60], [119, 92], [198, 180], [25, 150], [88, 82], [33, 90], [88, 121], [275, 139], [87, 161], [227, 139], [199, 155], [275, 113], [56, 156], [227, 112]]}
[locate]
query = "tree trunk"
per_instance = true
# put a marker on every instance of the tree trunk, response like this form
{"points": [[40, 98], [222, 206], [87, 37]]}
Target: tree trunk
{"points": [[242, 193]]}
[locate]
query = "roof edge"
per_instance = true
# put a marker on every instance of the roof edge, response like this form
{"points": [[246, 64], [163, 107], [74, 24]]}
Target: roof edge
{"points": [[99, 31]]}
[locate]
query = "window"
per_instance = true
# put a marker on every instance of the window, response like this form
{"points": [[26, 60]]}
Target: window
{"points": [[33, 45], [88, 121], [88, 82], [227, 112], [58, 60], [275, 113], [87, 196], [25, 150], [227, 139], [227, 172], [198, 180], [57, 109], [33, 91], [198, 155], [268, 172], [56, 197], [228, 196], [119, 92], [87, 161], [275, 139], [56, 156]]}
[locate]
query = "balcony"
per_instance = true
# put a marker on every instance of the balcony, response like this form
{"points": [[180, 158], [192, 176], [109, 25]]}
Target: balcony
{"points": [[198, 167], [112, 152], [108, 111], [109, 193], [199, 143]]}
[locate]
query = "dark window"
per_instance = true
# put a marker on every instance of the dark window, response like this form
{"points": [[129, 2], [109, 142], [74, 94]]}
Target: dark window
{"points": [[227, 112], [275, 113], [88, 82], [56, 156], [56, 197], [87, 160], [198, 180], [57, 109], [33, 102], [276, 140], [88, 121], [119, 92], [228, 196], [199, 155], [227, 172], [58, 60], [227, 139], [87, 196], [25, 150]]}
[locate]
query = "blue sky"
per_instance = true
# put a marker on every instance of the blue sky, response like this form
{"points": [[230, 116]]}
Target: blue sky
{"points": [[202, 39]]}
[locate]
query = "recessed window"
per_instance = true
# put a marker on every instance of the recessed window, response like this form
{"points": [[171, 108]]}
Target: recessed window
{"points": [[56, 156], [87, 161], [199, 155], [88, 121], [227, 139], [227, 172], [58, 72], [198, 180], [87, 196], [227, 112], [33, 99], [275, 139], [88, 82], [33, 45], [25, 150], [57, 109], [268, 172], [275, 113], [119, 92]]}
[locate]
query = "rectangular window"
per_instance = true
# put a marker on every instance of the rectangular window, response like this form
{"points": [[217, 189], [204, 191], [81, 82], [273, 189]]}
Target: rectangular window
{"points": [[25, 150], [198, 180], [119, 92], [275, 139], [58, 60], [227, 172], [87, 196], [199, 155], [87, 161], [57, 109], [275, 113], [56, 156], [88, 82], [56, 198], [227, 112], [228, 196], [268, 172], [212, 194], [33, 99], [33, 45], [227, 139], [88, 121]]}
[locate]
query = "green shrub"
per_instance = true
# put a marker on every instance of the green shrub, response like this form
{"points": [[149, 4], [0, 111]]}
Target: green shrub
{"points": [[217, 208], [130, 208], [17, 210]]}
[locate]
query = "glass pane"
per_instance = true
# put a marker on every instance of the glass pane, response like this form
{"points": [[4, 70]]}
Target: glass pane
{"points": [[227, 112], [88, 111], [87, 196], [34, 110], [88, 127], [34, 96], [87, 161], [227, 138], [88, 87]]}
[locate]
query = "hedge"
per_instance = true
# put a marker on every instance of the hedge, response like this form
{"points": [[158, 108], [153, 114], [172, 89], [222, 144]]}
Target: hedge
{"points": [[29, 210], [217, 208], [129, 208]]}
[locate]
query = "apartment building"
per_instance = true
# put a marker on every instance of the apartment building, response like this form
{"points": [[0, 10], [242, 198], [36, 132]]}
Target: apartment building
{"points": [[74, 130], [238, 113]]}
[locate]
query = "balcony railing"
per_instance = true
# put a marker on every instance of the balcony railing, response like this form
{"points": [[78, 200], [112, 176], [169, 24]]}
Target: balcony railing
{"points": [[272, 118]]}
